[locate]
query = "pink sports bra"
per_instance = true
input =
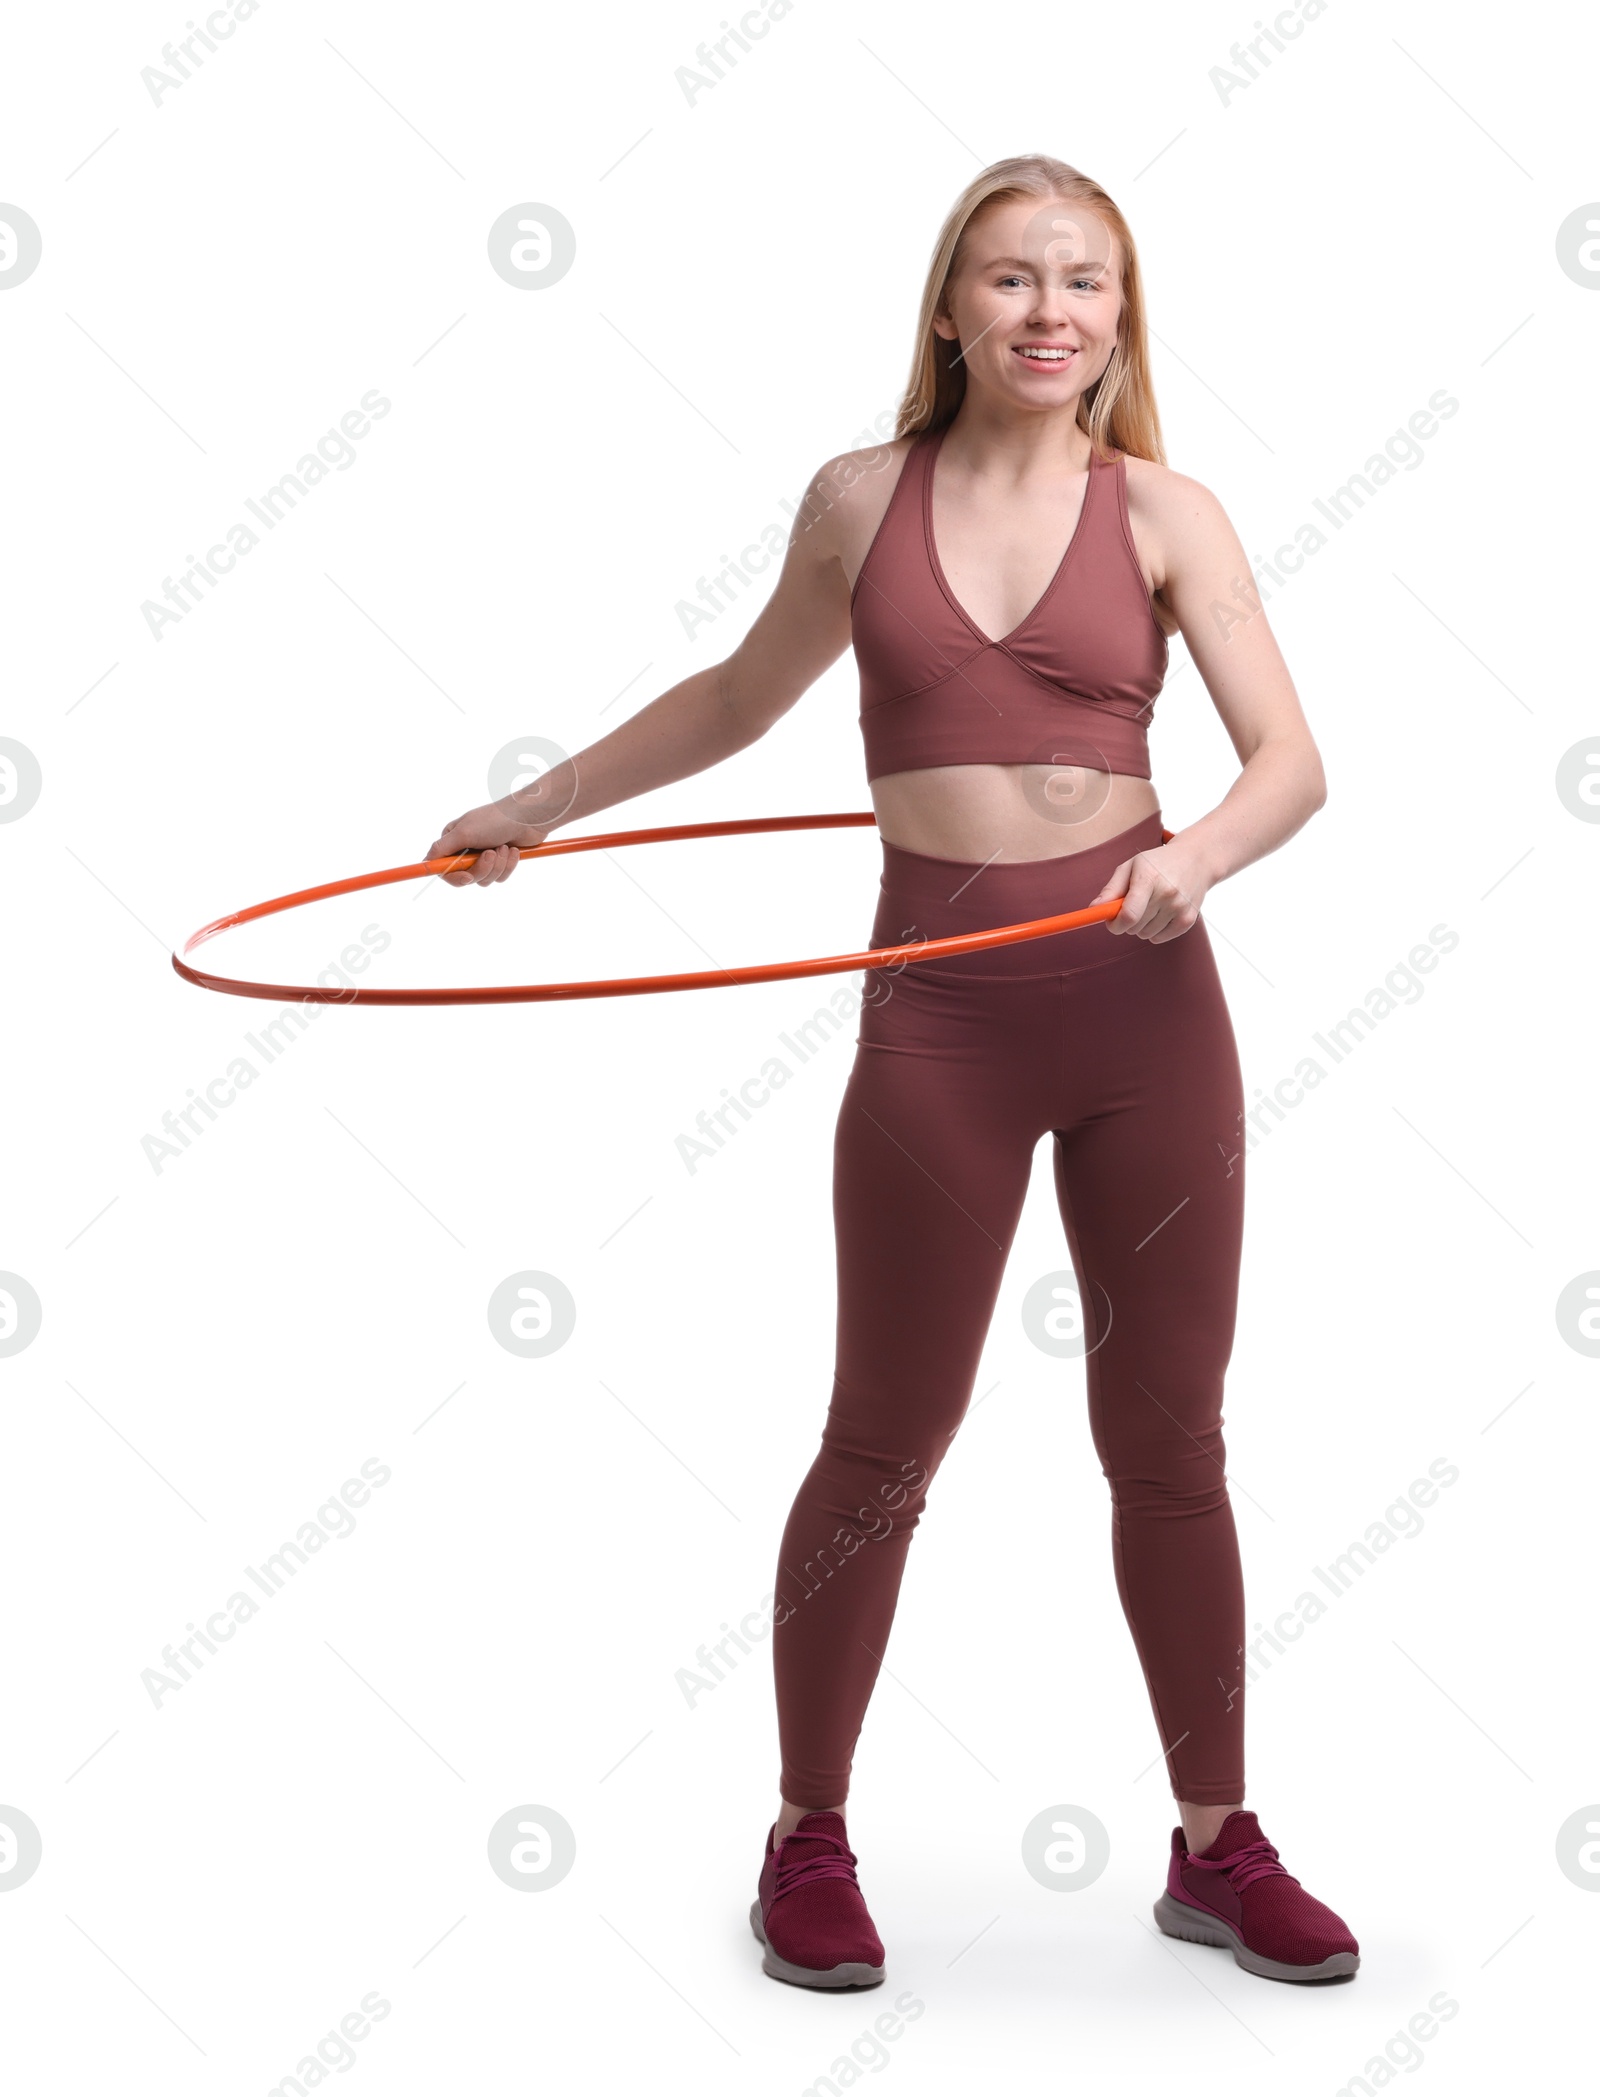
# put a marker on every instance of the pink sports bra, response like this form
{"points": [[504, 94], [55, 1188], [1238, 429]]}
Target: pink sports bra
{"points": [[1074, 684]]}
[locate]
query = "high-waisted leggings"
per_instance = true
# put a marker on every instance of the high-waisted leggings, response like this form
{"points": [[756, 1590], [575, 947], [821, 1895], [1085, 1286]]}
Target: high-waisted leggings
{"points": [[1123, 1050]]}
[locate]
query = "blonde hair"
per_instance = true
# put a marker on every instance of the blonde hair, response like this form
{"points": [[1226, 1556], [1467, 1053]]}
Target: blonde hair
{"points": [[1118, 412]]}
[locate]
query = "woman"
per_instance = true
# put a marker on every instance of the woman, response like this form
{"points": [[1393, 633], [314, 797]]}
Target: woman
{"points": [[1006, 685]]}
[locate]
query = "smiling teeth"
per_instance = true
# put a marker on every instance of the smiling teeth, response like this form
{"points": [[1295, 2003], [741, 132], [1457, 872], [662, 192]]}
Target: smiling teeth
{"points": [[1046, 356]]}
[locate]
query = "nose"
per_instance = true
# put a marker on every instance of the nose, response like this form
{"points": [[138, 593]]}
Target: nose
{"points": [[1050, 305]]}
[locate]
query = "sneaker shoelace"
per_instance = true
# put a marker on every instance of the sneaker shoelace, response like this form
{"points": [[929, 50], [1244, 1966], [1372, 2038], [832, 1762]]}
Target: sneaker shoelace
{"points": [[1250, 1861], [836, 1862]]}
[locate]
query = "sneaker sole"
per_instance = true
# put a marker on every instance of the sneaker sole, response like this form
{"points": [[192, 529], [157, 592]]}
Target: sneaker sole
{"points": [[852, 1973], [1176, 1919]]}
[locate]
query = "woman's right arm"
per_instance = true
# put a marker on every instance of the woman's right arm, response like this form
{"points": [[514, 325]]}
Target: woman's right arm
{"points": [[802, 629]]}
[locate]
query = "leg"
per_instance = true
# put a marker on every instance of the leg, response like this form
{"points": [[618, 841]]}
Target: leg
{"points": [[931, 1161], [790, 1816], [1203, 1824], [1151, 1189]]}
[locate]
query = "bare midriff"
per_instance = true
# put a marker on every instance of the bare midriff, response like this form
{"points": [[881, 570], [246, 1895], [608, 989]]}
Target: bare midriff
{"points": [[995, 812]]}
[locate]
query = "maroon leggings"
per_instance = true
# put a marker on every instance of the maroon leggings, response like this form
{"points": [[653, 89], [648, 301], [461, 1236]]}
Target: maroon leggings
{"points": [[1123, 1050]]}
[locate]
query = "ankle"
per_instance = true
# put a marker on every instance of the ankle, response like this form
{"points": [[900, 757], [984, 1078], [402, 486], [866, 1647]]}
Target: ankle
{"points": [[1203, 1824], [790, 1816]]}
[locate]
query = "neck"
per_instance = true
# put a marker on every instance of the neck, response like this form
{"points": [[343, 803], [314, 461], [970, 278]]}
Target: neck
{"points": [[987, 438]]}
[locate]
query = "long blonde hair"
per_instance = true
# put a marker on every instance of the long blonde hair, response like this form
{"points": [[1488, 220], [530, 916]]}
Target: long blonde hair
{"points": [[1118, 412]]}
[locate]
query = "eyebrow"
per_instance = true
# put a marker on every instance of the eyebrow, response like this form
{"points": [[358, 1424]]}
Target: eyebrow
{"points": [[1082, 269]]}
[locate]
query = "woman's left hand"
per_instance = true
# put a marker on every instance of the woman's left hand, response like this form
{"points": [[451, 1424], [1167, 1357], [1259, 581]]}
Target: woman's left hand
{"points": [[1161, 893]]}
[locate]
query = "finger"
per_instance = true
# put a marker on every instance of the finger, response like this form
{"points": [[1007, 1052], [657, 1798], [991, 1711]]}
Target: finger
{"points": [[1180, 923], [1153, 906], [1115, 886], [1165, 910], [1134, 904], [1176, 916], [440, 849]]}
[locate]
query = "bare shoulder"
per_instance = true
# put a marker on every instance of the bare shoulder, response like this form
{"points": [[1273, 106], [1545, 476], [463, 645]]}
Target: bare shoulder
{"points": [[1163, 495], [1172, 515], [845, 501]]}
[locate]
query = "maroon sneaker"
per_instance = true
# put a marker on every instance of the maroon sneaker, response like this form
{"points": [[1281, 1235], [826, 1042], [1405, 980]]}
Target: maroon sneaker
{"points": [[1238, 1895], [809, 1912]]}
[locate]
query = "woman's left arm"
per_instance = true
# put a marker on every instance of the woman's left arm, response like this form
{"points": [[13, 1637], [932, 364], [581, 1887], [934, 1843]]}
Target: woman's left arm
{"points": [[1205, 580]]}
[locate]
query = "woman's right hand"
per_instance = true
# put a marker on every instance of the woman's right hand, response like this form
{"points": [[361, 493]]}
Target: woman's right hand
{"points": [[494, 834]]}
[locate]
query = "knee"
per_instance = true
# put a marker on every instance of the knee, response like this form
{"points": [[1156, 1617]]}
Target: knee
{"points": [[873, 1492], [1172, 1469]]}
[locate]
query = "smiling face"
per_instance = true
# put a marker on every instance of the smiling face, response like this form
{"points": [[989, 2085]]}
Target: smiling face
{"points": [[1034, 301]]}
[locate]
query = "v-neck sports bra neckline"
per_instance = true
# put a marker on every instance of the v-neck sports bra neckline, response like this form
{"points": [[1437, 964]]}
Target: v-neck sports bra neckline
{"points": [[1073, 683], [1097, 465]]}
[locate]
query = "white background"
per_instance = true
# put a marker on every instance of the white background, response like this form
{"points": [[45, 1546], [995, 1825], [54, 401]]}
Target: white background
{"points": [[305, 1286]]}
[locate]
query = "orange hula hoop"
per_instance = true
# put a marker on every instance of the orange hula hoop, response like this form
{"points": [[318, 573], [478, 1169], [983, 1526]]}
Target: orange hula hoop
{"points": [[620, 986]]}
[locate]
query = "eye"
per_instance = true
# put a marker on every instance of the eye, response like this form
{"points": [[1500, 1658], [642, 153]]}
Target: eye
{"points": [[1084, 283]]}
